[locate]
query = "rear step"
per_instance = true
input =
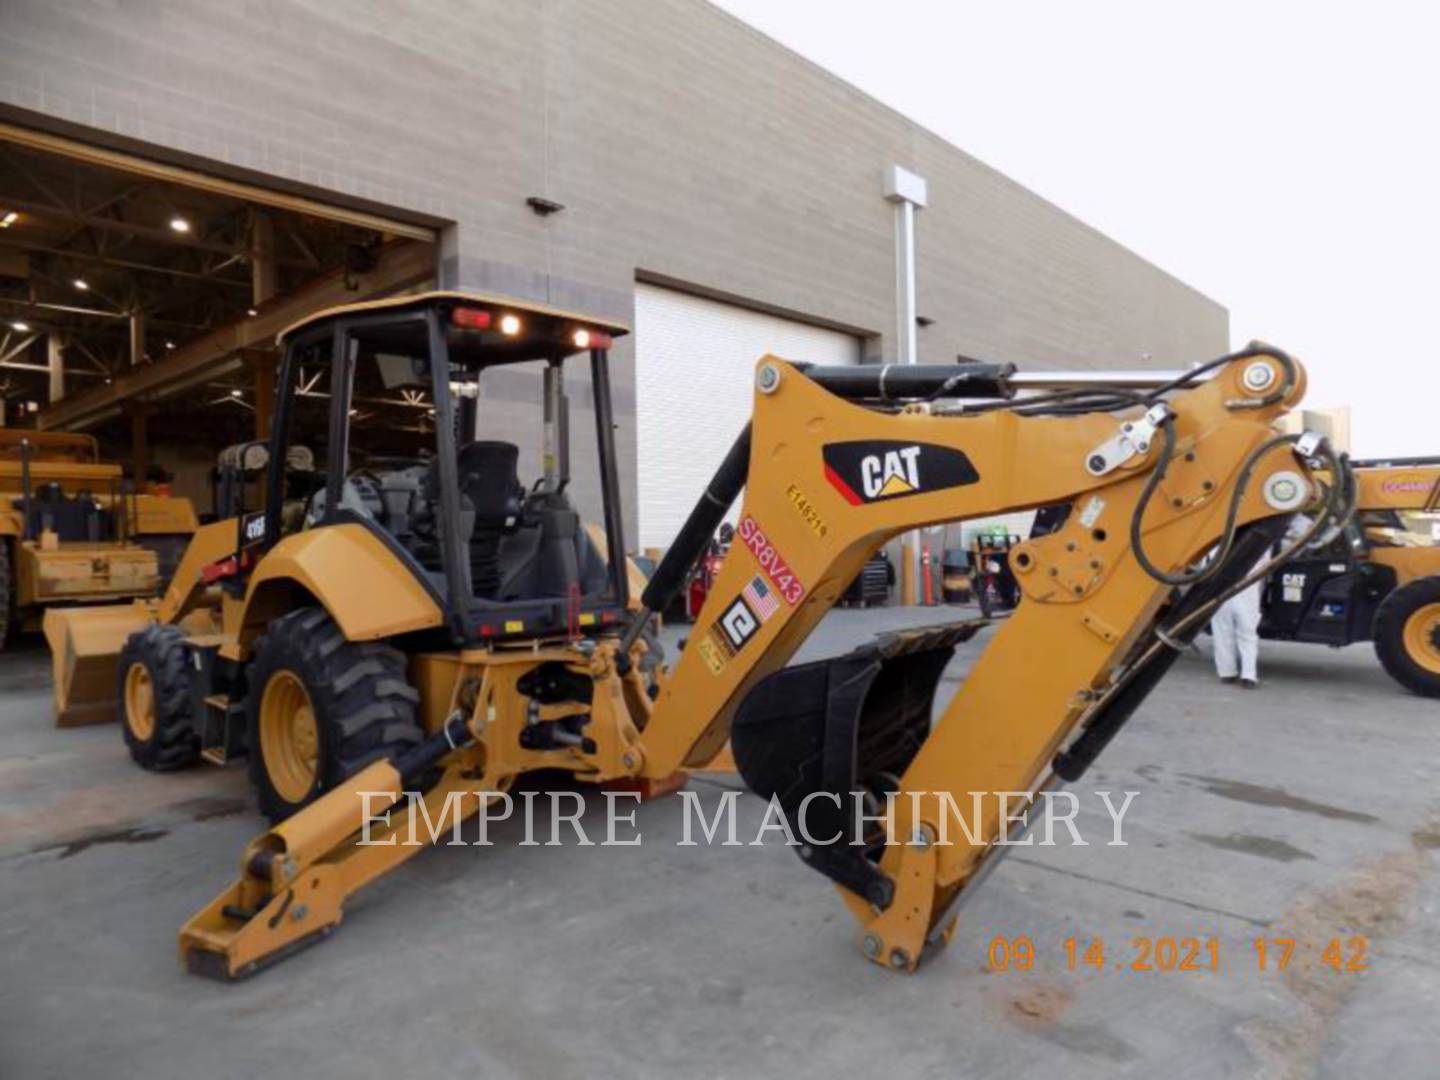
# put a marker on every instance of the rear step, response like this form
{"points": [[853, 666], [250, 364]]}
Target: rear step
{"points": [[222, 734]]}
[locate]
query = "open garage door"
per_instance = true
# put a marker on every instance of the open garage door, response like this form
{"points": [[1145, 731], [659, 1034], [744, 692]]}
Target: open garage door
{"points": [[695, 363], [140, 300]]}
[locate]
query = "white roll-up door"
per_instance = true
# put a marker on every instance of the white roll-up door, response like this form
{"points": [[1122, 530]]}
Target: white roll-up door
{"points": [[695, 366]]}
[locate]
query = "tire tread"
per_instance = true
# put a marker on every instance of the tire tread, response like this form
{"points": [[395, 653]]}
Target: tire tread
{"points": [[1389, 635], [363, 702], [175, 743]]}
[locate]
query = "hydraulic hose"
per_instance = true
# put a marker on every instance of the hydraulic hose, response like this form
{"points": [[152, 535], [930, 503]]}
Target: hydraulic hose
{"points": [[1126, 695], [1232, 512], [1339, 506], [1335, 511], [1250, 352], [1227, 576]]}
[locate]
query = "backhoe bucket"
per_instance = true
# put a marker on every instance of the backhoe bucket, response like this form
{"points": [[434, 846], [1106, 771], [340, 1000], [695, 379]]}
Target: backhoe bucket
{"points": [[85, 643], [843, 728], [844, 724]]}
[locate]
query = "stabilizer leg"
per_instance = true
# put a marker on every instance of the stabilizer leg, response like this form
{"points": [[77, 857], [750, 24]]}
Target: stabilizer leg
{"points": [[295, 879]]}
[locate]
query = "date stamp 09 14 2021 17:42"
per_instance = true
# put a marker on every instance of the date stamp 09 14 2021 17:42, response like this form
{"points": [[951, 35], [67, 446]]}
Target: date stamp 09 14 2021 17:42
{"points": [[1166, 953]]}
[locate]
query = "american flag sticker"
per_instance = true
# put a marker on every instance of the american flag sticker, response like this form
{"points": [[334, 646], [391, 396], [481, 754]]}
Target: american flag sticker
{"points": [[761, 598]]}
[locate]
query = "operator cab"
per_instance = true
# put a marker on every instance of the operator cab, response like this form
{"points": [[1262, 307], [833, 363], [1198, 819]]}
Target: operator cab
{"points": [[446, 422]]}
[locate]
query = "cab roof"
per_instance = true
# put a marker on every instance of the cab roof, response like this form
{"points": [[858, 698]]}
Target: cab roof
{"points": [[499, 306]]}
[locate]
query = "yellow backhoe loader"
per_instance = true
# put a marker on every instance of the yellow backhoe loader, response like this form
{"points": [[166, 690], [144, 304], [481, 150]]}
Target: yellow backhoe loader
{"points": [[426, 623], [72, 533], [1377, 580]]}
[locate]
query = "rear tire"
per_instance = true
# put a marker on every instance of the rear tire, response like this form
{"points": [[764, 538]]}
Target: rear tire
{"points": [[320, 708], [153, 694], [1407, 636]]}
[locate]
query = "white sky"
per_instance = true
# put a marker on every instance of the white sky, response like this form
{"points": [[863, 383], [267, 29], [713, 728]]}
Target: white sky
{"points": [[1283, 158]]}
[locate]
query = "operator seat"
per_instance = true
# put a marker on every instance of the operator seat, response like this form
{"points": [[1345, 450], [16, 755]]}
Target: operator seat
{"points": [[552, 556], [490, 484]]}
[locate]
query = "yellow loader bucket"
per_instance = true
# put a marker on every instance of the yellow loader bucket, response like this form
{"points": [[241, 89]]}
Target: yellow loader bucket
{"points": [[85, 644]]}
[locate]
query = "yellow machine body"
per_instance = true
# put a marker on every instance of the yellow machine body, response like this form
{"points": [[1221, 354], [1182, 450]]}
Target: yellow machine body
{"points": [[44, 572], [323, 566], [1398, 510], [1090, 610], [1409, 563], [1376, 581], [327, 564], [84, 643], [1411, 492], [459, 696], [51, 572]]}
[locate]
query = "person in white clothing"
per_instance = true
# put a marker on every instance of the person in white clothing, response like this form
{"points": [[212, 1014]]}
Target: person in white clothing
{"points": [[1235, 626], [1235, 629]]}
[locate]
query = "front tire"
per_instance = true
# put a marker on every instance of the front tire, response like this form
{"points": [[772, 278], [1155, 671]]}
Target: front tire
{"points": [[321, 708], [155, 707], [1407, 636]]}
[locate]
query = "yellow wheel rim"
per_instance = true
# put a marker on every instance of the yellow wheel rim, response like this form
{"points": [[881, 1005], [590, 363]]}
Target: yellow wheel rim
{"points": [[1422, 637], [289, 736], [140, 702]]}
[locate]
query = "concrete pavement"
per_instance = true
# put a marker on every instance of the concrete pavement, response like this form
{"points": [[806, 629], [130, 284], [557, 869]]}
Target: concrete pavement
{"points": [[1306, 810]]}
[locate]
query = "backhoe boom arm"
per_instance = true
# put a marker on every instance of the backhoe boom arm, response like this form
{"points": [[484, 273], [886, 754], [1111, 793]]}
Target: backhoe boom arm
{"points": [[830, 481]]}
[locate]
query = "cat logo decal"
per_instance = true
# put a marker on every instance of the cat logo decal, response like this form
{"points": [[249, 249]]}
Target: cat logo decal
{"points": [[876, 470]]}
